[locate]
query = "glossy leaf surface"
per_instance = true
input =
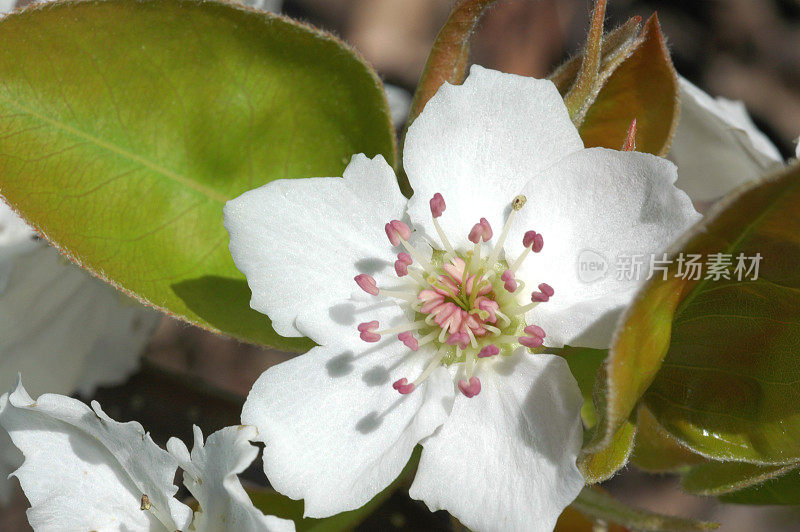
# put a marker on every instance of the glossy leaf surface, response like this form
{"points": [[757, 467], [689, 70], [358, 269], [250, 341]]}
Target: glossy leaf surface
{"points": [[127, 125]]}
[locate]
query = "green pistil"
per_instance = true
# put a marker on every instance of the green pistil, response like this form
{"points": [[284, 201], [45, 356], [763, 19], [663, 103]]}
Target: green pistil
{"points": [[503, 298]]}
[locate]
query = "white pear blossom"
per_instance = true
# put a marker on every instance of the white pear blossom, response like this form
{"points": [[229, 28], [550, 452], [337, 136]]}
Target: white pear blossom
{"points": [[85, 471], [457, 310], [717, 147]]}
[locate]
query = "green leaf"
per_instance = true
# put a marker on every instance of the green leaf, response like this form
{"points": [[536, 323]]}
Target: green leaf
{"points": [[273, 503], [602, 465], [716, 478], [600, 505], [645, 87], [655, 450], [781, 490], [127, 125], [639, 348], [727, 388], [586, 366], [571, 520], [585, 363]]}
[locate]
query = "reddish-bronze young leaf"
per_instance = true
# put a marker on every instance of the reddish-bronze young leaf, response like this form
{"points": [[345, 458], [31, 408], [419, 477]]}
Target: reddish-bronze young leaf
{"points": [[447, 61], [644, 87]]}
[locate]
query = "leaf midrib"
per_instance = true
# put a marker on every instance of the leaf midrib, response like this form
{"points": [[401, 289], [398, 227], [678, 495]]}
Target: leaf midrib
{"points": [[203, 190]]}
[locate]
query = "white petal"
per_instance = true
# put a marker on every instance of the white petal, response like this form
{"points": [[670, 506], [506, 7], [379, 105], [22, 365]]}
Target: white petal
{"points": [[605, 203], [717, 147], [300, 242], [210, 474], [479, 143], [505, 459], [63, 329], [335, 430], [85, 471]]}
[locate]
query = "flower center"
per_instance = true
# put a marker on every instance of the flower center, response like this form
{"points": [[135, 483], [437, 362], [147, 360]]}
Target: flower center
{"points": [[465, 303]]}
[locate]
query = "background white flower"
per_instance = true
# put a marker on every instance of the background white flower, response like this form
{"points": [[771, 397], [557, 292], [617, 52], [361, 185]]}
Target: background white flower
{"points": [[64, 330], [717, 147], [501, 454], [85, 471], [210, 474]]}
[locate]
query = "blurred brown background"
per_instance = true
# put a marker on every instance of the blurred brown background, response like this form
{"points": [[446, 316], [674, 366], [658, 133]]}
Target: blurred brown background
{"points": [[741, 49]]}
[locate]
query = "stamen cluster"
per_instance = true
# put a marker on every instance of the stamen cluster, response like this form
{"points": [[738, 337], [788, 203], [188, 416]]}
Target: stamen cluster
{"points": [[465, 301]]}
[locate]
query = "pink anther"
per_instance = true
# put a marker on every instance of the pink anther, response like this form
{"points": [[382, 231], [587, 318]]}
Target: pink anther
{"points": [[409, 339], [400, 268], [546, 289], [403, 386], [538, 297], [533, 240], [461, 339], [366, 329], [510, 281], [531, 341], [489, 351], [367, 283], [475, 233], [470, 389], [437, 205], [535, 330], [480, 231], [487, 230], [396, 230], [405, 257]]}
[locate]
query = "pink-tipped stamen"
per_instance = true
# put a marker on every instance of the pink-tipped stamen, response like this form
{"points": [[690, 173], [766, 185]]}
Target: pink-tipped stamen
{"points": [[531, 341], [403, 386], [509, 280], [539, 297], [489, 351], [437, 208], [437, 205], [405, 257], [366, 329], [534, 330], [533, 240], [487, 229], [397, 231], [470, 389], [546, 289], [409, 340], [475, 233], [400, 268], [367, 283]]}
